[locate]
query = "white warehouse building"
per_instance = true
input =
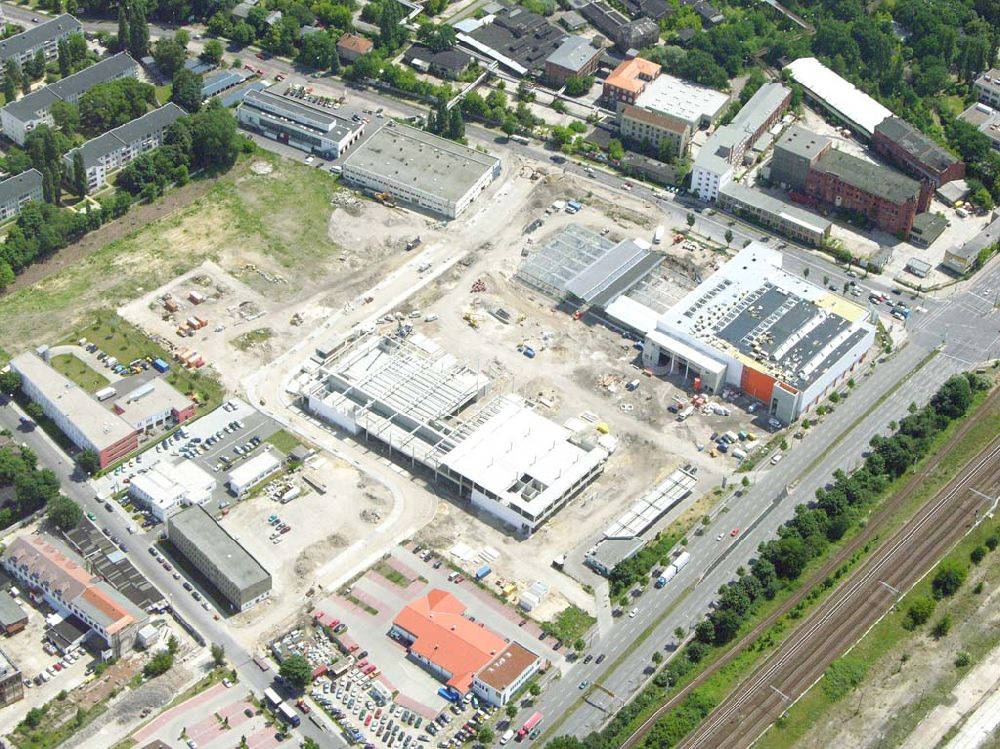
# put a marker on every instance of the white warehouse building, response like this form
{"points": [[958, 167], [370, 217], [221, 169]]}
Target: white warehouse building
{"points": [[421, 169], [504, 458], [247, 475]]}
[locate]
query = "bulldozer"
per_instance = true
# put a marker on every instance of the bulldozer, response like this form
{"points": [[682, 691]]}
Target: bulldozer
{"points": [[385, 199], [471, 319]]}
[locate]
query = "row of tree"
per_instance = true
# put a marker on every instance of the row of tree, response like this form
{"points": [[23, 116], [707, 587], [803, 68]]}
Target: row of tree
{"points": [[33, 487], [780, 562]]}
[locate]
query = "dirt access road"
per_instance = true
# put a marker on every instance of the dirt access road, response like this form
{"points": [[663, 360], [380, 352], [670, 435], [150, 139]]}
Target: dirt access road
{"points": [[805, 654]]}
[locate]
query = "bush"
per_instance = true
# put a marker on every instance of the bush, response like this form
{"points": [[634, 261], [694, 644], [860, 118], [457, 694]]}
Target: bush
{"points": [[962, 660], [977, 555], [843, 675], [992, 542], [158, 664], [942, 628], [920, 611], [948, 580]]}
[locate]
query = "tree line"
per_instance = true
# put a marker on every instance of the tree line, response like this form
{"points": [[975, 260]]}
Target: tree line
{"points": [[835, 510]]}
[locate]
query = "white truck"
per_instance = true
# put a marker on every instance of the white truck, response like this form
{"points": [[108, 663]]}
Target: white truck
{"points": [[658, 234], [681, 561]]}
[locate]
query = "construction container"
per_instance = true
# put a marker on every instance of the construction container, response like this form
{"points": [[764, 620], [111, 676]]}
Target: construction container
{"points": [[171, 306], [196, 297]]}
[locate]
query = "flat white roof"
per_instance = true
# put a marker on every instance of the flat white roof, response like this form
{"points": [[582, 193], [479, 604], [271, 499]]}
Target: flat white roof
{"points": [[97, 424], [259, 465], [681, 99], [166, 484], [150, 399], [632, 314], [693, 355], [838, 93], [516, 447]]}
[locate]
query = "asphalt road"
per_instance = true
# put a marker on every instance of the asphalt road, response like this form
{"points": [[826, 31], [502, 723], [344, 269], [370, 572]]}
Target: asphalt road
{"points": [[76, 487]]}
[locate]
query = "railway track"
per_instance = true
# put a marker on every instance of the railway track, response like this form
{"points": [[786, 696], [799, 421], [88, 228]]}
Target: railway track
{"points": [[877, 521], [852, 610]]}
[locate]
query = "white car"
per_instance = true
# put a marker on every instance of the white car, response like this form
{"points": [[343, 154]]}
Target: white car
{"points": [[309, 159], [720, 537], [776, 459], [632, 613]]}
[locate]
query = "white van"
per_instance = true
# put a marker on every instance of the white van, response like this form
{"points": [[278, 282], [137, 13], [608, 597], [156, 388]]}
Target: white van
{"points": [[507, 736]]}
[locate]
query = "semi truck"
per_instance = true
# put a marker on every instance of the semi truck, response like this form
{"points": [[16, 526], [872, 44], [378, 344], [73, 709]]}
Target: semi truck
{"points": [[681, 562], [666, 576]]}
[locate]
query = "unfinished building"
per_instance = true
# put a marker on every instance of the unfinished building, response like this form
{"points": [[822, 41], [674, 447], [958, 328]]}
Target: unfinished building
{"points": [[426, 407]]}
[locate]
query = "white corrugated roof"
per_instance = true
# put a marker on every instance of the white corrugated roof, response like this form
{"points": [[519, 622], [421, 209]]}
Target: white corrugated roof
{"points": [[838, 93]]}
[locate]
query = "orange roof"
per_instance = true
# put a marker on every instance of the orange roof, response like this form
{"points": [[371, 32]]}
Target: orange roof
{"points": [[633, 74], [443, 636], [355, 43]]}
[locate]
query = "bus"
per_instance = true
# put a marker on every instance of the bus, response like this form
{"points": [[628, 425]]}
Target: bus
{"points": [[529, 725], [520, 139]]}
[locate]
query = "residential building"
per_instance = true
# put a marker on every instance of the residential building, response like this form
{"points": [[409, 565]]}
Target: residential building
{"points": [[795, 153], [88, 424], [909, 149], [352, 46], [784, 218], [207, 547], [503, 457], [165, 489], [242, 10], [44, 38], [647, 168], [727, 147], [986, 119], [516, 38], [424, 170], [448, 63], [637, 34], [887, 198], [576, 56], [655, 9], [964, 259], [710, 16], [11, 681], [155, 402], [20, 117], [247, 475], [48, 570], [508, 672], [757, 328], [646, 129], [696, 105], [608, 553], [441, 639], [840, 98], [573, 21], [987, 88], [17, 190], [116, 148], [309, 128], [604, 18], [626, 82]]}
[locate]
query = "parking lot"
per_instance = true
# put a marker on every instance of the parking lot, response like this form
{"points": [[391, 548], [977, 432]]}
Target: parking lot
{"points": [[389, 586]]}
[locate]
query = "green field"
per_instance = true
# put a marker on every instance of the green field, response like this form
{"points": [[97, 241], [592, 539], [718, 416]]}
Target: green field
{"points": [[284, 441], [79, 372]]}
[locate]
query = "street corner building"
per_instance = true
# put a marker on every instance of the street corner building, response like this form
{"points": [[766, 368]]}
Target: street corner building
{"points": [[754, 326], [421, 169], [49, 571], [466, 656], [231, 569]]}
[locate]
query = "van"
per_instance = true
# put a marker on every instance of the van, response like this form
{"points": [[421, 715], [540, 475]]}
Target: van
{"points": [[507, 736], [452, 576]]}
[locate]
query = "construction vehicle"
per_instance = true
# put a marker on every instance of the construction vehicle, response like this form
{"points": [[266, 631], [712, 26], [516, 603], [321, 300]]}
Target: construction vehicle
{"points": [[385, 199], [471, 319]]}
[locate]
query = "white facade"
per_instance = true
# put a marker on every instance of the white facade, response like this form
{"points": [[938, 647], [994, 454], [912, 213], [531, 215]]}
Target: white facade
{"points": [[499, 692], [17, 190], [708, 178], [246, 476], [298, 124], [164, 489], [838, 96]]}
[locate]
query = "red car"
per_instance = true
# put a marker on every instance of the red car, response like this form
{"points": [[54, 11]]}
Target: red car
{"points": [[57, 666], [459, 579], [735, 532], [368, 720], [334, 623], [362, 664]]}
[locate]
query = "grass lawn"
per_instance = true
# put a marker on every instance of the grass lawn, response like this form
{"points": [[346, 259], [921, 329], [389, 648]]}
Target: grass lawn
{"points": [[392, 574], [79, 372], [123, 340], [284, 441], [163, 93], [571, 624]]}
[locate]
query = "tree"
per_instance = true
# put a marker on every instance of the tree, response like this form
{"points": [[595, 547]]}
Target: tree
{"points": [[942, 627], [212, 52], [486, 735], [318, 50], [65, 62], [977, 554], [66, 117], [169, 55], [919, 611], [64, 513], [10, 381], [9, 85], [657, 657], [138, 30], [296, 670], [578, 85], [615, 149], [535, 689], [456, 126], [34, 717], [173, 645], [437, 37], [79, 175], [242, 34], [123, 14], [185, 91], [690, 219], [89, 462], [948, 580], [511, 710], [109, 105], [579, 645], [158, 664], [214, 137], [218, 654]]}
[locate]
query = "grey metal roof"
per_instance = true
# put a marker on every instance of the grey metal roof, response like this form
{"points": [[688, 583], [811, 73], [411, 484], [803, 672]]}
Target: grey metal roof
{"points": [[71, 87], [990, 235], [28, 40], [151, 122], [915, 143], [598, 276], [880, 181], [297, 111], [801, 142], [222, 80], [774, 206], [14, 188], [225, 552], [10, 612], [523, 36], [573, 53]]}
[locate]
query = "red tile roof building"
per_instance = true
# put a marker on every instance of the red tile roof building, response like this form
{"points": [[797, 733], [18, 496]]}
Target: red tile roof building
{"points": [[351, 47], [441, 638], [629, 80]]}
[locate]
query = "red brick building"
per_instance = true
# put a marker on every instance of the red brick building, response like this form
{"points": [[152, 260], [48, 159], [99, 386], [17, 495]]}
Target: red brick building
{"points": [[887, 198], [629, 80], [902, 144]]}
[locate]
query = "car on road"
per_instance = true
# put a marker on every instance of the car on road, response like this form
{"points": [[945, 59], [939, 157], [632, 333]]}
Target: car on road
{"points": [[583, 684], [600, 658], [776, 459], [720, 536], [588, 659], [734, 532], [632, 613]]}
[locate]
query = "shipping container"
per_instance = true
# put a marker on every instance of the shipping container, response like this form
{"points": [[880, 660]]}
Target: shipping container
{"points": [[272, 697], [104, 393], [196, 297], [160, 366], [286, 713], [483, 572]]}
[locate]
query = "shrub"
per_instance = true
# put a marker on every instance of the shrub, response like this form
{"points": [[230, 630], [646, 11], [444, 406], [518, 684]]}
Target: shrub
{"points": [[977, 555], [962, 660], [948, 580], [919, 612], [942, 628], [843, 675]]}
